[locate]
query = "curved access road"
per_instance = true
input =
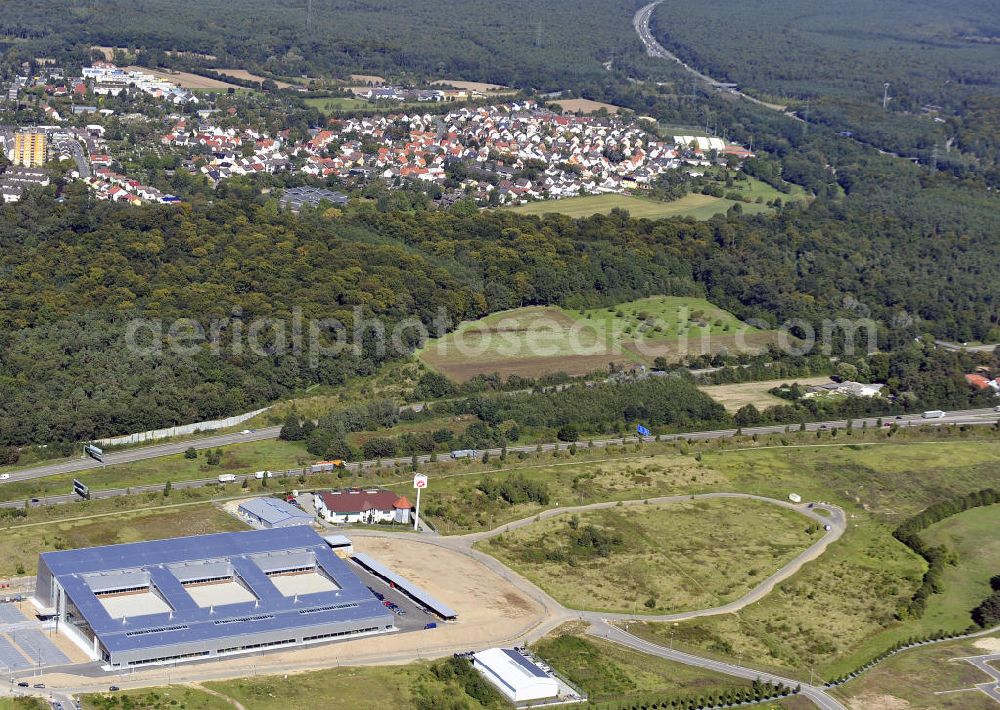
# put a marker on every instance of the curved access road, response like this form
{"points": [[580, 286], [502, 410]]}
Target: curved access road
{"points": [[601, 622], [835, 518], [816, 694]]}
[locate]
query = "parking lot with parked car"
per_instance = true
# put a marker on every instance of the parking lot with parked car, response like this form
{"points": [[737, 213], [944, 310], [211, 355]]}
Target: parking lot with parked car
{"points": [[409, 615]]}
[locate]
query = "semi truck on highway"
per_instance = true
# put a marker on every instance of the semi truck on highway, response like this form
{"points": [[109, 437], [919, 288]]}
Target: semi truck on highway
{"points": [[464, 454], [933, 414]]}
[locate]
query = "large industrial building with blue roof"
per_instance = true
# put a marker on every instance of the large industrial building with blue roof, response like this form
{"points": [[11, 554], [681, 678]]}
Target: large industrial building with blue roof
{"points": [[201, 597]]}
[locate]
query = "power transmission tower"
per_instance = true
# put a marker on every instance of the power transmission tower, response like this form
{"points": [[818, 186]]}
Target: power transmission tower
{"points": [[309, 12], [885, 95], [538, 34]]}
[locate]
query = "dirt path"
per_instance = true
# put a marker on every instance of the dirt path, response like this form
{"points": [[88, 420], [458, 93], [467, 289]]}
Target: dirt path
{"points": [[232, 701]]}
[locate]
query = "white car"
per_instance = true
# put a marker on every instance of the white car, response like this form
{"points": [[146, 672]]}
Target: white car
{"points": [[247, 431], [4, 476], [263, 474]]}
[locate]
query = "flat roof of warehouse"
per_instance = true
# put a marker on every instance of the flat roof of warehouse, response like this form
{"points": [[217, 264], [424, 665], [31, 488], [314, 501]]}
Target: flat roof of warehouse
{"points": [[406, 585], [167, 568], [276, 512]]}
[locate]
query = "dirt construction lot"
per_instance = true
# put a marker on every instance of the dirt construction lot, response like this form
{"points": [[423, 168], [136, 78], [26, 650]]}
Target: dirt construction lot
{"points": [[491, 612]]}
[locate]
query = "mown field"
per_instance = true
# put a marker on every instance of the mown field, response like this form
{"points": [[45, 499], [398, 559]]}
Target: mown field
{"points": [[974, 538], [659, 558], [734, 396], [913, 678], [692, 205], [539, 340]]}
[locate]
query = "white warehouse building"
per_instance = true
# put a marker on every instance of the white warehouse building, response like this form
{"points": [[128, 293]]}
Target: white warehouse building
{"points": [[515, 676]]}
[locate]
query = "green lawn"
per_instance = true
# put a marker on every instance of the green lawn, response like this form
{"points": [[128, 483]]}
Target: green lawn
{"points": [[974, 537], [346, 103], [692, 205], [609, 672], [656, 559]]}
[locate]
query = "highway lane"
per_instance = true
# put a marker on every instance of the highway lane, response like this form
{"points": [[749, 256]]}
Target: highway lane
{"points": [[969, 417], [144, 452]]}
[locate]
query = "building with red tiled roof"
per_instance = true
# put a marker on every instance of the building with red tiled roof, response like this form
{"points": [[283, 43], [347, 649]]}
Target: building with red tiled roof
{"points": [[978, 381], [372, 505]]}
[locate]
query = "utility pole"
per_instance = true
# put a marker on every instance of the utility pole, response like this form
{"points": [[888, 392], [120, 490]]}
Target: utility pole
{"points": [[885, 96]]}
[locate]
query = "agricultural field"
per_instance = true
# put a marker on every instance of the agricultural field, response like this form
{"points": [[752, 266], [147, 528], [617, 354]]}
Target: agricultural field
{"points": [[187, 80], [914, 678], [609, 672], [21, 544], [734, 396], [247, 76], [841, 609], [540, 340], [692, 205], [585, 106], [658, 558], [480, 86]]}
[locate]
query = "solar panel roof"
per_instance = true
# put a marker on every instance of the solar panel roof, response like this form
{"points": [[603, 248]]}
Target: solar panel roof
{"points": [[187, 622]]}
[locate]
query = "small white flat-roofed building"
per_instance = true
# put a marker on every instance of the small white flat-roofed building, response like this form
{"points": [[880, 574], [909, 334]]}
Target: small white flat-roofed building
{"points": [[515, 676], [340, 544]]}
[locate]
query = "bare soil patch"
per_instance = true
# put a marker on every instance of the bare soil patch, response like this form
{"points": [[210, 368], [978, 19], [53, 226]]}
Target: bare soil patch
{"points": [[185, 80], [586, 106]]}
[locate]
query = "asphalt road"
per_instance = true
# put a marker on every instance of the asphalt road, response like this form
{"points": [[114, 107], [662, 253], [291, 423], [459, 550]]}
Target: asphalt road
{"points": [[817, 695], [971, 417], [90, 678]]}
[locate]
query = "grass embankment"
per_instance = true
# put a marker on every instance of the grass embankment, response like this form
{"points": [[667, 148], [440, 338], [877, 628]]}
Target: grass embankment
{"points": [[422, 685], [656, 559], [913, 678], [608, 672]]}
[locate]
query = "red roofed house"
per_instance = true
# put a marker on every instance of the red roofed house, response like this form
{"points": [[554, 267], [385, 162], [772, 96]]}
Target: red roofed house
{"points": [[978, 381], [373, 505]]}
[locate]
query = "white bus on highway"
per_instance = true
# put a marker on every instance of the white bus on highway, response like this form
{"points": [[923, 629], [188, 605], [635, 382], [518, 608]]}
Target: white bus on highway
{"points": [[933, 414]]}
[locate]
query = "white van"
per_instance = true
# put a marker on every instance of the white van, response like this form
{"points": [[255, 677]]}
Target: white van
{"points": [[227, 478], [263, 474]]}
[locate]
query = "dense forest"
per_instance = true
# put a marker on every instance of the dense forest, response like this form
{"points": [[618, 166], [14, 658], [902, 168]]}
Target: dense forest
{"points": [[526, 43], [839, 56], [74, 273]]}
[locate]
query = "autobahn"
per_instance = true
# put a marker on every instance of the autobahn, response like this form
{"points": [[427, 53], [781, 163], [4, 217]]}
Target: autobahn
{"points": [[964, 417]]}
